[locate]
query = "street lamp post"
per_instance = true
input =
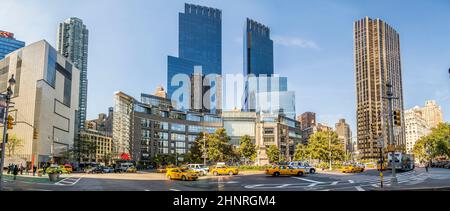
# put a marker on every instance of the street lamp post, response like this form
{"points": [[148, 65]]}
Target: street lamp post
{"points": [[390, 97], [329, 147], [8, 95]]}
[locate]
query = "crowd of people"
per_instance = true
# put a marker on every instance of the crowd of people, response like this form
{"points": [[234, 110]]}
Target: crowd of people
{"points": [[15, 170]]}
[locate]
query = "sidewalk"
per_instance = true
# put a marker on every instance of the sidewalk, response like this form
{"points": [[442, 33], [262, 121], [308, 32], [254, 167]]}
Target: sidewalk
{"points": [[31, 179]]}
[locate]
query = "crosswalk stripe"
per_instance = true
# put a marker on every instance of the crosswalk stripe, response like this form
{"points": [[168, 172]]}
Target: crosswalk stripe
{"points": [[351, 181], [335, 183], [174, 190], [359, 188]]}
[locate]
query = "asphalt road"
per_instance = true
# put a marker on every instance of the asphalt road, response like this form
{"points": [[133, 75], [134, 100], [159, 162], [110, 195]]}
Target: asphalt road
{"points": [[247, 181]]}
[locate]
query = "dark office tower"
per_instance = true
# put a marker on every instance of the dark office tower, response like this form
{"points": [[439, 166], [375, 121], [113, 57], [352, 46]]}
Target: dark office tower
{"points": [[72, 43], [258, 50], [377, 63], [200, 44], [8, 43]]}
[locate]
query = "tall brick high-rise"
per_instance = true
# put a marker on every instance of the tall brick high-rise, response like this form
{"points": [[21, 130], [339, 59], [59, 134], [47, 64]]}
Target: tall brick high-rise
{"points": [[377, 63]]}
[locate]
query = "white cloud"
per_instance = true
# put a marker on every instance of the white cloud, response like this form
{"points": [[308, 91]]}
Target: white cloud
{"points": [[296, 42]]}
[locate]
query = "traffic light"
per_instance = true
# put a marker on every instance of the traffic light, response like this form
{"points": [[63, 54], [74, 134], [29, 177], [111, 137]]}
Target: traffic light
{"points": [[35, 134], [397, 118], [10, 122]]}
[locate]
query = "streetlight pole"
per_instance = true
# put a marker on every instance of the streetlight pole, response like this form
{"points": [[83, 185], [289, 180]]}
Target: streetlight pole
{"points": [[8, 95], [390, 97], [204, 149], [329, 147]]}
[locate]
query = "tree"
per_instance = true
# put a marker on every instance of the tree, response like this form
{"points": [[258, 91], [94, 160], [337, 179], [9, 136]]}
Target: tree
{"points": [[88, 149], [195, 154], [301, 152], [273, 153], [434, 145], [13, 144], [247, 149], [322, 142], [219, 147]]}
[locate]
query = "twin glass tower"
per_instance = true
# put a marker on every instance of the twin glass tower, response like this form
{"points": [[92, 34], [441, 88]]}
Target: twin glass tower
{"points": [[200, 44]]}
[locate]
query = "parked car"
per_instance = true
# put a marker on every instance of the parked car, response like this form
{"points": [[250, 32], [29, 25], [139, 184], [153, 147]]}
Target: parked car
{"points": [[284, 170], [447, 166], [95, 170], [108, 170], [131, 169], [181, 174], [224, 170], [200, 169], [308, 169]]}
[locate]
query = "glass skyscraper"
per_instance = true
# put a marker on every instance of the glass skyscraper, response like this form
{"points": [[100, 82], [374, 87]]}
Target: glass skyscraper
{"points": [[200, 44], [8, 44], [264, 91], [72, 43], [258, 50]]}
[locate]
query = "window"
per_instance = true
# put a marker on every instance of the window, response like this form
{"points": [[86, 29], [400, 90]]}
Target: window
{"points": [[161, 125], [178, 127], [194, 118], [178, 137], [180, 144], [50, 74], [67, 91]]}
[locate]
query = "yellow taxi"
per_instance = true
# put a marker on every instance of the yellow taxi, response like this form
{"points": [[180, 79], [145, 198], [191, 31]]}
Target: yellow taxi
{"points": [[181, 174], [284, 170], [224, 170], [352, 168], [67, 168]]}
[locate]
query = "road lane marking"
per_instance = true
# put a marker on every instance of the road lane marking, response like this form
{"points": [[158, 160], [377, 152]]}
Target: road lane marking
{"points": [[307, 180], [359, 188], [71, 181], [174, 190], [351, 181], [147, 190], [375, 185], [335, 183], [312, 185]]}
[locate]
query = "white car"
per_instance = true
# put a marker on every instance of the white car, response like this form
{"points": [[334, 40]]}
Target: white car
{"points": [[303, 165], [199, 168]]}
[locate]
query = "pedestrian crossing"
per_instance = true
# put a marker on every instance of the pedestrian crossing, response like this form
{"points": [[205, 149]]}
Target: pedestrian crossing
{"points": [[412, 177], [71, 181]]}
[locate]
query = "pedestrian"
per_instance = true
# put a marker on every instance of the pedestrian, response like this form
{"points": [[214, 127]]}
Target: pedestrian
{"points": [[34, 170], [15, 171], [9, 169], [21, 169], [426, 167]]}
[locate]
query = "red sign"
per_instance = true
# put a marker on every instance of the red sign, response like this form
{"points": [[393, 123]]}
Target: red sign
{"points": [[6, 34], [125, 156]]}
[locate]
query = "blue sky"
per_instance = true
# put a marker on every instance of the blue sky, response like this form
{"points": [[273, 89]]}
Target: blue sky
{"points": [[130, 41]]}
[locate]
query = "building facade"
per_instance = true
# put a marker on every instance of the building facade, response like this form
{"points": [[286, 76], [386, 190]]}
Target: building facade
{"points": [[72, 42], [416, 127], [345, 135], [265, 130], [45, 101], [103, 124], [377, 63], [258, 49], [103, 151], [432, 114], [8, 43], [200, 45], [153, 127]]}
